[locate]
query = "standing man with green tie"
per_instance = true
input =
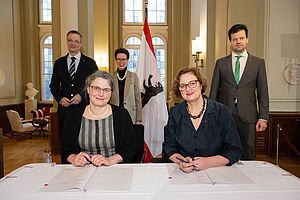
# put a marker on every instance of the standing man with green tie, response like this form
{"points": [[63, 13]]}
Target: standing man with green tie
{"points": [[240, 82], [68, 78]]}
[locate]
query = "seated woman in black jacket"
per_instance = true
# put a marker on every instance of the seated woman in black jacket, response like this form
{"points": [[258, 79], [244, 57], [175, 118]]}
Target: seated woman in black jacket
{"points": [[200, 132], [99, 133]]}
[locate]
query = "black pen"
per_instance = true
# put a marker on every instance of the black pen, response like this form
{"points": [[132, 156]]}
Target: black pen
{"points": [[181, 160]]}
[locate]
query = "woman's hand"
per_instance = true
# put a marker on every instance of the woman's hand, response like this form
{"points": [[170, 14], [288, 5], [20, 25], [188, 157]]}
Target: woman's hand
{"points": [[186, 167], [99, 160], [79, 160], [200, 163]]}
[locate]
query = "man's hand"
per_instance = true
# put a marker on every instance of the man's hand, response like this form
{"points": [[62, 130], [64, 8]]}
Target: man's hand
{"points": [[261, 125], [76, 99], [65, 102]]}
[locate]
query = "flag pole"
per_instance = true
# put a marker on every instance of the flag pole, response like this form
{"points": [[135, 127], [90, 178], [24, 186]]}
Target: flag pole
{"points": [[146, 9]]}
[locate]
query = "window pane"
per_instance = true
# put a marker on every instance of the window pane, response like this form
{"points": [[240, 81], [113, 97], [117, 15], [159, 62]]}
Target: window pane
{"points": [[48, 40], [47, 92], [160, 57], [156, 11], [46, 11], [133, 11], [133, 59], [47, 69], [133, 41], [157, 41]]}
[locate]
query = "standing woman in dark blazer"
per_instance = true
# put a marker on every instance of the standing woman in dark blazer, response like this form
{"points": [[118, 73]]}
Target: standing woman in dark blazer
{"points": [[99, 133], [199, 131]]}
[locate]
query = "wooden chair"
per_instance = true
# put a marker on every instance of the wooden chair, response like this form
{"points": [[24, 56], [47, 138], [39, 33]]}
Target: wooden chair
{"points": [[20, 128]]}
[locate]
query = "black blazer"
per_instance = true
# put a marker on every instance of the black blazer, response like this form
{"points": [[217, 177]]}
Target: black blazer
{"points": [[251, 90], [125, 141], [63, 86]]}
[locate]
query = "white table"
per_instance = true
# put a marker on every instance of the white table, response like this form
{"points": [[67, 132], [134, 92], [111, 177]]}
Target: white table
{"points": [[153, 181]]}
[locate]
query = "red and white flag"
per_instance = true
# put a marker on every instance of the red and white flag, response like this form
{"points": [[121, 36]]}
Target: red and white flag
{"points": [[154, 112]]}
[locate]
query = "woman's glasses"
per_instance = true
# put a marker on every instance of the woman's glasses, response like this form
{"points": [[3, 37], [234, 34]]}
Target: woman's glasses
{"points": [[191, 84], [97, 89]]}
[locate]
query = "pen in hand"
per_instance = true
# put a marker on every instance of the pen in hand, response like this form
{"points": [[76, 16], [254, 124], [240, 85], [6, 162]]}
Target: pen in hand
{"points": [[87, 160], [181, 160]]}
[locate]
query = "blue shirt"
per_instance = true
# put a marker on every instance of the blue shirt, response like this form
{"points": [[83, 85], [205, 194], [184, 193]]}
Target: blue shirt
{"points": [[216, 135]]}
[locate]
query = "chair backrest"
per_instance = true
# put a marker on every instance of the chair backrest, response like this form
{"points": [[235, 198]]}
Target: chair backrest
{"points": [[14, 120], [139, 135]]}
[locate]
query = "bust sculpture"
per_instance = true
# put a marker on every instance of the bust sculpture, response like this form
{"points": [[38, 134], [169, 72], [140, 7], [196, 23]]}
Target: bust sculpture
{"points": [[30, 92]]}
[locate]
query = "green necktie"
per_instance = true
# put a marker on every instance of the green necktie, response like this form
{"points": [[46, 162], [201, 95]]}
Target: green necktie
{"points": [[237, 69]]}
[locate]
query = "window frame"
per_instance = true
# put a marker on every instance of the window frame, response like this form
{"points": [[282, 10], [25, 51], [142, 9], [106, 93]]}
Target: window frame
{"points": [[40, 14], [42, 82], [143, 16]]}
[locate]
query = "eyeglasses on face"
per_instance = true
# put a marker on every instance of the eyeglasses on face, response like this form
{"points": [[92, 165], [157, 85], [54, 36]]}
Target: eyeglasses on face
{"points": [[121, 59], [191, 84], [75, 41], [97, 89]]}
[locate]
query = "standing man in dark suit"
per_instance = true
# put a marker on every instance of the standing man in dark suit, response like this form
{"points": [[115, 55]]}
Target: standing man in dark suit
{"points": [[68, 78], [240, 82]]}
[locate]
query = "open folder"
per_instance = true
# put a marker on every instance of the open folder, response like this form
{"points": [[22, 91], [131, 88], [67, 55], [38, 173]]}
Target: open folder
{"points": [[90, 178]]}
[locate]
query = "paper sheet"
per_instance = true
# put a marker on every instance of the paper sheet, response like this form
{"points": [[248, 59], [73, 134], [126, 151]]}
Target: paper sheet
{"points": [[69, 179], [111, 179], [216, 175]]}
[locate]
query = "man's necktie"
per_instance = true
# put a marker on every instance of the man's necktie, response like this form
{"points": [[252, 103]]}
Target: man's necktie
{"points": [[237, 69], [72, 68]]}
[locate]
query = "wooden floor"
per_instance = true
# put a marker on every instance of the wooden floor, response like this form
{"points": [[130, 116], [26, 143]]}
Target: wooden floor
{"points": [[20, 152]]}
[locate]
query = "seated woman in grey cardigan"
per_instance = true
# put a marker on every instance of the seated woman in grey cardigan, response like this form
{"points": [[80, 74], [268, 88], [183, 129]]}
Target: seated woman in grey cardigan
{"points": [[99, 133]]}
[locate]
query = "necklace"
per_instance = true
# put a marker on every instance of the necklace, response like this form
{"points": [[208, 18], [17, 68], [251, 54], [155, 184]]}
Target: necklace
{"points": [[196, 116], [97, 116], [121, 79]]}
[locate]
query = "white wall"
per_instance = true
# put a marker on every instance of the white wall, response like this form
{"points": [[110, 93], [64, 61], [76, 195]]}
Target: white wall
{"points": [[284, 18]]}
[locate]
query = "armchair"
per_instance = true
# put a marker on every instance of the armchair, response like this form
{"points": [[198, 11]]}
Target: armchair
{"points": [[20, 128]]}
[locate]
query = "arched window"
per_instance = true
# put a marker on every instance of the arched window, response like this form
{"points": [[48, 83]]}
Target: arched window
{"points": [[47, 68], [132, 44]]}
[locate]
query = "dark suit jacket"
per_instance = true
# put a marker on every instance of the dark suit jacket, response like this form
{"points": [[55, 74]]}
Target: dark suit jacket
{"points": [[63, 86], [125, 140], [251, 90]]}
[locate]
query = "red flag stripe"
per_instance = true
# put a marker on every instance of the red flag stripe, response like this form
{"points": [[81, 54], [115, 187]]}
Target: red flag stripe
{"points": [[148, 155], [148, 36]]}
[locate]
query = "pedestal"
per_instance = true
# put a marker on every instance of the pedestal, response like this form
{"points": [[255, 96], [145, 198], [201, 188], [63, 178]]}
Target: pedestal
{"points": [[30, 104]]}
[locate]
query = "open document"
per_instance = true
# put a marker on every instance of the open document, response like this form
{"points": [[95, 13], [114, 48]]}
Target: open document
{"points": [[90, 178], [215, 175]]}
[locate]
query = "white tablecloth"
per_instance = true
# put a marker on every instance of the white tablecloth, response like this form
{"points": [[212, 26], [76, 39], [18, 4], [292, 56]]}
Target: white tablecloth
{"points": [[153, 181]]}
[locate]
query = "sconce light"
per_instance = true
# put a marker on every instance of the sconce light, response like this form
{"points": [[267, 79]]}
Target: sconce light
{"points": [[198, 60], [197, 47]]}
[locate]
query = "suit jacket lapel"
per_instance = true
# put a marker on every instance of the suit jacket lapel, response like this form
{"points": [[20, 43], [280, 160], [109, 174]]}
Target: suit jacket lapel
{"points": [[229, 68], [247, 67], [127, 83], [115, 79], [66, 67], [80, 66]]}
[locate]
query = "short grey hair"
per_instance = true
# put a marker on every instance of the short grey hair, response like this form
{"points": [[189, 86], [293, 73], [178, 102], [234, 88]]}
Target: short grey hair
{"points": [[98, 74]]}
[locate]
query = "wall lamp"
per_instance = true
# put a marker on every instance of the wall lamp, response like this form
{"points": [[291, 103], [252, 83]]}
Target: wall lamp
{"points": [[197, 51], [197, 59]]}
